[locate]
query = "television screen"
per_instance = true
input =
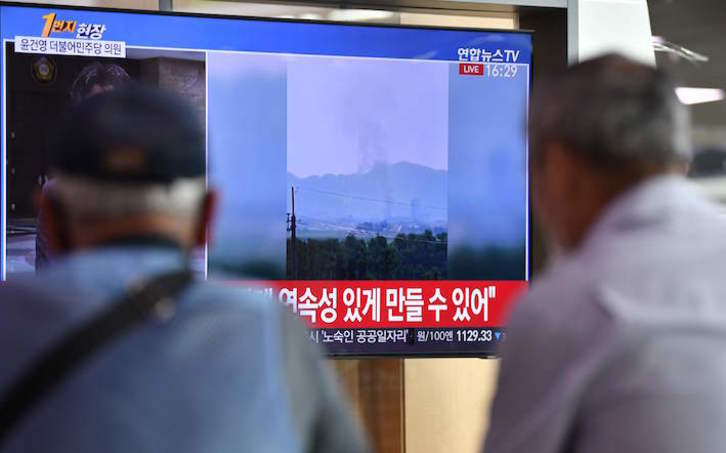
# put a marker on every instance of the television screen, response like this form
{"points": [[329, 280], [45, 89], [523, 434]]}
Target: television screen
{"points": [[374, 178]]}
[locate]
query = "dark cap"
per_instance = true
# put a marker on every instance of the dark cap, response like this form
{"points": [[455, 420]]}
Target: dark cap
{"points": [[131, 135]]}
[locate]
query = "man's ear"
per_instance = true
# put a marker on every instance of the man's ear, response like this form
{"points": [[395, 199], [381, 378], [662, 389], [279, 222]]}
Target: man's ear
{"points": [[52, 223], [209, 210], [559, 191], [560, 169]]}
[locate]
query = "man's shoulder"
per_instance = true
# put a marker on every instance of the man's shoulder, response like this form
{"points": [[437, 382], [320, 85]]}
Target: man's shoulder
{"points": [[242, 308], [40, 310], [229, 296], [561, 312], [561, 292], [656, 276], [60, 294]]}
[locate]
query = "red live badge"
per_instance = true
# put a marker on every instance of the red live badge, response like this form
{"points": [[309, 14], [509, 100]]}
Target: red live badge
{"points": [[472, 69]]}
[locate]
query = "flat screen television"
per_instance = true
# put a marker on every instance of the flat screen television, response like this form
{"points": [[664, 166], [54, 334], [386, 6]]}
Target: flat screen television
{"points": [[374, 178]]}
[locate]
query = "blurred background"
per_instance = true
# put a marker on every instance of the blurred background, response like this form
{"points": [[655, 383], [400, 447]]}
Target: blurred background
{"points": [[689, 43]]}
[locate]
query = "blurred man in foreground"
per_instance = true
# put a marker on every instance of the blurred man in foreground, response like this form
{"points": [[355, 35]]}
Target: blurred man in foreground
{"points": [[163, 363], [621, 345]]}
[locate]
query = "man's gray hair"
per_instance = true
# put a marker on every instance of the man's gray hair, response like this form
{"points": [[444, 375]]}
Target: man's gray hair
{"points": [[87, 200], [612, 111]]}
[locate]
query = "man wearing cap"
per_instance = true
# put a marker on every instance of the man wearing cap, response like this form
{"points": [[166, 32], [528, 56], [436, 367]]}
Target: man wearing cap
{"points": [[114, 347]]}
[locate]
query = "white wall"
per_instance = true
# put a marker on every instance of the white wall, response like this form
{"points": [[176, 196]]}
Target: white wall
{"points": [[601, 26]]}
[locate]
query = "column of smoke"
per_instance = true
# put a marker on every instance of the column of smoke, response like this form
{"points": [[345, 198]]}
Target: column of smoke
{"points": [[371, 153]]}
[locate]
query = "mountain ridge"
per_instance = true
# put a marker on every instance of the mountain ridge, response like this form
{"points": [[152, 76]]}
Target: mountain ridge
{"points": [[402, 191]]}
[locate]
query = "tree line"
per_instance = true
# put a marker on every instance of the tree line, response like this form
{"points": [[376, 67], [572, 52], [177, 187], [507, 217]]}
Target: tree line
{"points": [[405, 257]]}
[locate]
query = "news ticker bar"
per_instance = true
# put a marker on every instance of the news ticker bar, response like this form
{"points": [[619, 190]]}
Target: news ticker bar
{"points": [[408, 341], [333, 304]]}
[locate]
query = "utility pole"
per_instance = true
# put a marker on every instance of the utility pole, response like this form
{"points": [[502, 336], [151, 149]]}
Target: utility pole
{"points": [[293, 238]]}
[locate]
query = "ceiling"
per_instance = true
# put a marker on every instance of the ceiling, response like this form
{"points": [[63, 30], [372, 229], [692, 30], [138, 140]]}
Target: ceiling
{"points": [[698, 25]]}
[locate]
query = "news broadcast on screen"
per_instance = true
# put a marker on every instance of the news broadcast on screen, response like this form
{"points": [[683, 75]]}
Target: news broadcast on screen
{"points": [[373, 178]]}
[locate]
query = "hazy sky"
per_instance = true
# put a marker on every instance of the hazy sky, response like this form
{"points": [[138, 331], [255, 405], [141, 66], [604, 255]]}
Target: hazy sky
{"points": [[344, 115]]}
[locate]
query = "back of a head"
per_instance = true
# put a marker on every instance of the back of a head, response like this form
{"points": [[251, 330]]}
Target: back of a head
{"points": [[134, 150], [131, 135], [613, 112]]}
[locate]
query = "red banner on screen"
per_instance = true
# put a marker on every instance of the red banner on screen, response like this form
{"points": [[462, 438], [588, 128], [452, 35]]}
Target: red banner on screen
{"points": [[395, 304]]}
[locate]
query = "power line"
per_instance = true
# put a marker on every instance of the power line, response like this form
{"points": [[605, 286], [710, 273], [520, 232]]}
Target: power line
{"points": [[359, 197]]}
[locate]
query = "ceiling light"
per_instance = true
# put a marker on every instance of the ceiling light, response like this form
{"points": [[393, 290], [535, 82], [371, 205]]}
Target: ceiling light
{"points": [[660, 44], [359, 15], [310, 16], [690, 95]]}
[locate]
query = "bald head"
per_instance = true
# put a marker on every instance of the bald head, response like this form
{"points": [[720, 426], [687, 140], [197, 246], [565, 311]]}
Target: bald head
{"points": [[612, 111], [597, 129]]}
